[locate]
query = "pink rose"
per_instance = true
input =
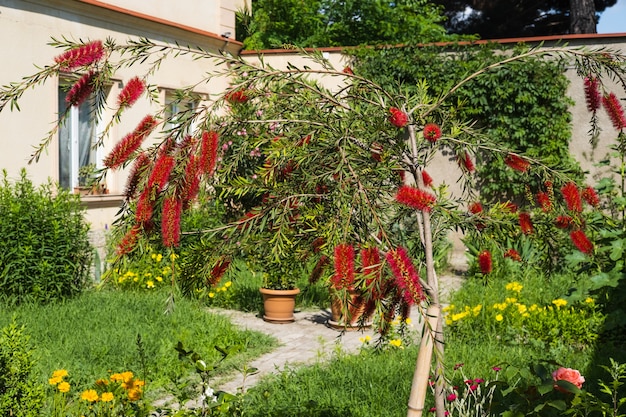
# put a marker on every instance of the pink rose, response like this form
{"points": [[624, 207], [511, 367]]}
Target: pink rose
{"points": [[569, 375]]}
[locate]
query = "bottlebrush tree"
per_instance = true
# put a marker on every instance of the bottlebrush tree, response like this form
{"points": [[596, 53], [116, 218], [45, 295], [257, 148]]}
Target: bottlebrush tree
{"points": [[310, 173]]}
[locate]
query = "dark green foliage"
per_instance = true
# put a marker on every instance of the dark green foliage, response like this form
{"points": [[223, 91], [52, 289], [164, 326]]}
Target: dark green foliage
{"points": [[521, 106], [44, 251], [20, 394]]}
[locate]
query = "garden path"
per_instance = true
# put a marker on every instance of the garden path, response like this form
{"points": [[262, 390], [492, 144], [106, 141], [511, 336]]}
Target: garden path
{"points": [[310, 339]]}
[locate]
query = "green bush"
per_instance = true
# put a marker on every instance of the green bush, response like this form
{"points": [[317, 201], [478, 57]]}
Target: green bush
{"points": [[44, 252], [20, 394]]}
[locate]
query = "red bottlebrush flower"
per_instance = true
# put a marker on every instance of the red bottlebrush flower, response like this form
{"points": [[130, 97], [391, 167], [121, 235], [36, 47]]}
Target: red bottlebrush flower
{"points": [[81, 90], [465, 161], [432, 132], [347, 70], [406, 275], [80, 56], [191, 185], [581, 241], [317, 244], [318, 269], [131, 92], [592, 94], [475, 207], [615, 110], [161, 171], [590, 196], [130, 143], [543, 199], [142, 162], [513, 254], [344, 267], [208, 152], [484, 262], [517, 162], [170, 221], [237, 96], [572, 197], [563, 222], [398, 118], [525, 223], [370, 263], [143, 212], [128, 242], [218, 271], [415, 198], [510, 207], [427, 179]]}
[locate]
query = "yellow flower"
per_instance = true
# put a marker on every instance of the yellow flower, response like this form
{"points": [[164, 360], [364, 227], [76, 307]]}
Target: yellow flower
{"points": [[153, 256], [159, 278], [228, 284], [514, 286], [459, 316], [122, 377], [211, 294], [134, 394], [63, 387], [521, 308], [559, 302], [408, 321], [158, 257], [365, 339], [499, 317], [500, 306], [510, 300], [90, 395], [589, 300], [150, 284], [533, 307], [107, 396], [396, 343], [448, 308], [55, 380], [59, 373], [173, 257], [477, 309]]}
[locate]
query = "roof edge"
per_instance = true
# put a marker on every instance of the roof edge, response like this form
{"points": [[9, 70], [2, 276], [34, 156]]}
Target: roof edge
{"points": [[154, 19], [504, 41]]}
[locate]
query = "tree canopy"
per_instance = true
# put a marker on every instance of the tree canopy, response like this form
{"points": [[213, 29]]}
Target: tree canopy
{"points": [[317, 23], [492, 19]]}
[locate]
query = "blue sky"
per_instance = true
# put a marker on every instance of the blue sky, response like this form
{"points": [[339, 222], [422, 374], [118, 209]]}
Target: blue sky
{"points": [[613, 19]]}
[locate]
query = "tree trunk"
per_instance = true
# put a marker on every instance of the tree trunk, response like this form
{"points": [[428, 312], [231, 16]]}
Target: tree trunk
{"points": [[582, 16]]}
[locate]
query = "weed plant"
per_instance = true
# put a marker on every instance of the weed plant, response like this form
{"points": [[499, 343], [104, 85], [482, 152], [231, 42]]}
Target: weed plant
{"points": [[97, 333]]}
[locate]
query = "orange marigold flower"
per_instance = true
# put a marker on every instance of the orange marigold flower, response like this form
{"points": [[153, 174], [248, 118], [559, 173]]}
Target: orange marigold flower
{"points": [[344, 267], [484, 262], [517, 162], [131, 92], [406, 276], [415, 198], [398, 118], [571, 195], [590, 196], [525, 223], [80, 56], [592, 94], [615, 110], [81, 90], [432, 132], [581, 241], [90, 395]]}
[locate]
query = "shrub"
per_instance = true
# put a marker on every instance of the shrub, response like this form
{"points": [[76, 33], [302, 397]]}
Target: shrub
{"points": [[44, 252], [20, 394]]}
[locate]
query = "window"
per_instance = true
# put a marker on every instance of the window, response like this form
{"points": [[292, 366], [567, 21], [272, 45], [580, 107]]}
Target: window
{"points": [[180, 111], [77, 135]]}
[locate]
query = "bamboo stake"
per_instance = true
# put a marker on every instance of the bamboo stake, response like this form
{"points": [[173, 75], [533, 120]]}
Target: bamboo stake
{"points": [[422, 367]]}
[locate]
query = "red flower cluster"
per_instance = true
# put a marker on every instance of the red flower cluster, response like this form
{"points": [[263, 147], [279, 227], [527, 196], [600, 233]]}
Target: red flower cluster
{"points": [[237, 96], [347, 70], [590, 196], [415, 198], [592, 94], [581, 241], [170, 221], [208, 152], [141, 163], [398, 118], [344, 267], [406, 276], [80, 56], [130, 143], [484, 262], [143, 212], [525, 223], [131, 92], [218, 271], [510, 207], [614, 110], [465, 161], [432, 132], [81, 90], [475, 207], [543, 199], [163, 167], [517, 162], [191, 185], [563, 222], [128, 242], [427, 179], [572, 197], [513, 254]]}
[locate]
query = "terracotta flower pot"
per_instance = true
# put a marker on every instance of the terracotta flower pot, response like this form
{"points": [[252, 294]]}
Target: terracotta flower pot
{"points": [[279, 305], [348, 317]]}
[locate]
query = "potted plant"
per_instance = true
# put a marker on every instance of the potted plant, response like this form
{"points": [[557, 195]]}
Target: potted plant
{"points": [[279, 290], [89, 181]]}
